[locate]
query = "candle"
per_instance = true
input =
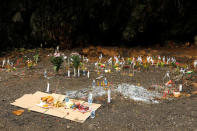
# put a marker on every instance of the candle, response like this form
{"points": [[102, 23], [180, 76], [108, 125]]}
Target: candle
{"points": [[88, 74], [74, 72], [68, 73], [109, 96], [3, 63], [48, 86], [78, 72], [180, 87]]}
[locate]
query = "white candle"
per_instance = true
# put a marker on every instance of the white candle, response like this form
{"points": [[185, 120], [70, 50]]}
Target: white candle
{"points": [[78, 72], [3, 63], [180, 87], [88, 74], [68, 73], [109, 96], [48, 86], [74, 72], [8, 62]]}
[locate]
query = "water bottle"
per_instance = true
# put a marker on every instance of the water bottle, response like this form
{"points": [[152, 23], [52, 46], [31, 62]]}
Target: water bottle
{"points": [[92, 114], [90, 99], [66, 99], [45, 73], [84, 72], [105, 81], [93, 84]]}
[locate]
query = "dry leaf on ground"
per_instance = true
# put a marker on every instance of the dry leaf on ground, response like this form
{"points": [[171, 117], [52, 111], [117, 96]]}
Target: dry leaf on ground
{"points": [[18, 112]]}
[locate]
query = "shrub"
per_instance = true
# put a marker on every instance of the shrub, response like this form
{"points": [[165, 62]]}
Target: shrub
{"points": [[57, 62]]}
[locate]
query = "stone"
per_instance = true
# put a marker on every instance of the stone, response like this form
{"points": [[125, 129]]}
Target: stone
{"points": [[17, 17]]}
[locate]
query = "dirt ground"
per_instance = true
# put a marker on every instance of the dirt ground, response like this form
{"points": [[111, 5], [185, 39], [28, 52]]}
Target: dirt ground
{"points": [[122, 114]]}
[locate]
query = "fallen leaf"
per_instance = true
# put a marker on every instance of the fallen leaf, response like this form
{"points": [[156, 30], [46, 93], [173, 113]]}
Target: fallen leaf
{"points": [[18, 112]]}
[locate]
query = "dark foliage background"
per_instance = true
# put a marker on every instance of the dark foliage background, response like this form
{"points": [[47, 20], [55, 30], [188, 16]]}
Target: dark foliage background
{"points": [[72, 23]]}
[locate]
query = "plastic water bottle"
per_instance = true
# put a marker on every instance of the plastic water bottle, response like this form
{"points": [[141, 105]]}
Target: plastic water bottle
{"points": [[92, 114], [84, 72], [90, 99], [93, 84], [45, 73], [105, 81], [66, 99]]}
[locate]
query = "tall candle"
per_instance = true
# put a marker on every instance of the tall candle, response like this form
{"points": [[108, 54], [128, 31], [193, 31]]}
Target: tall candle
{"points": [[78, 72], [88, 74], [48, 86], [109, 96], [68, 73], [3, 63], [180, 87], [74, 72]]}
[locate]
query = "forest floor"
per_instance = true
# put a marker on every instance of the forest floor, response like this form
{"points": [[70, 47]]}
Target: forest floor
{"points": [[121, 114]]}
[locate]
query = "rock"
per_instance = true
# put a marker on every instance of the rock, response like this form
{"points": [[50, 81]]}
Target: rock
{"points": [[91, 126], [17, 17], [2, 124], [68, 127]]}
